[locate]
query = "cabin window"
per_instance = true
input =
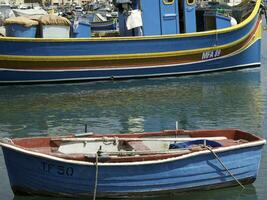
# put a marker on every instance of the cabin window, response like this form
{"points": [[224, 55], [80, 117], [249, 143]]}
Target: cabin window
{"points": [[190, 2], [168, 2]]}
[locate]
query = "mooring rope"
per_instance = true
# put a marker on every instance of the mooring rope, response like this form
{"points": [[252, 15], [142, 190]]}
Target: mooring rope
{"points": [[220, 161], [96, 175]]}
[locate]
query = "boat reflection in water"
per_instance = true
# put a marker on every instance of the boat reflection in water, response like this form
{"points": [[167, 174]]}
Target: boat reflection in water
{"points": [[219, 194], [154, 104]]}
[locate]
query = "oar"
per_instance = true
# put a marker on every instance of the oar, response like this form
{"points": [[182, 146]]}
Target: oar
{"points": [[135, 139], [148, 152]]}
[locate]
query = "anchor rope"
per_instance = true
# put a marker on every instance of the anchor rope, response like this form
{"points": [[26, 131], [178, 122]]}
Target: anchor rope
{"points": [[96, 175], [220, 161]]}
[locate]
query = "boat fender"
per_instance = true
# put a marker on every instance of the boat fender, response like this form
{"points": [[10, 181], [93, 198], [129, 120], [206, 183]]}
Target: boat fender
{"points": [[233, 21]]}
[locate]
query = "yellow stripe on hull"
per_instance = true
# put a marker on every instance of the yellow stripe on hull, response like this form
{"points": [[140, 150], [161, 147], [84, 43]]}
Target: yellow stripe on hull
{"points": [[129, 56]]}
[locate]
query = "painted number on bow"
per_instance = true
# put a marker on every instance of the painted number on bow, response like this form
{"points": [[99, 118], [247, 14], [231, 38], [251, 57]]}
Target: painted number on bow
{"points": [[58, 169], [211, 54]]}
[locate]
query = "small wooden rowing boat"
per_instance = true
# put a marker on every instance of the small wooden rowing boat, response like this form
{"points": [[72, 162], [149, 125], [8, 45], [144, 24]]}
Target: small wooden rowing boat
{"points": [[122, 165]]}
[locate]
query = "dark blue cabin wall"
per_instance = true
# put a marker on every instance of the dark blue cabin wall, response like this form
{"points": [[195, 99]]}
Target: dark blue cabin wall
{"points": [[136, 4]]}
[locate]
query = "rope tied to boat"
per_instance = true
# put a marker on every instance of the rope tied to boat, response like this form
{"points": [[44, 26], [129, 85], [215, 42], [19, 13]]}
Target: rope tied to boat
{"points": [[96, 173], [221, 162]]}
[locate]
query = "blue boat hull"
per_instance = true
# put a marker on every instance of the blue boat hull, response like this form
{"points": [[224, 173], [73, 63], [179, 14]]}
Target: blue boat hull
{"points": [[250, 57], [35, 60], [30, 174]]}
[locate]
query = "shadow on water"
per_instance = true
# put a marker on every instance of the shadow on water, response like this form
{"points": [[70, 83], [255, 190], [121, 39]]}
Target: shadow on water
{"points": [[234, 193]]}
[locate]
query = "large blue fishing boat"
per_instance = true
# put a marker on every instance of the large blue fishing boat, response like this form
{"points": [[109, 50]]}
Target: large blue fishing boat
{"points": [[156, 38], [123, 165]]}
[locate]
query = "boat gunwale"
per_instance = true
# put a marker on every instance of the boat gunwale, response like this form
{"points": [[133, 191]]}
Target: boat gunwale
{"points": [[249, 36], [137, 38], [259, 142]]}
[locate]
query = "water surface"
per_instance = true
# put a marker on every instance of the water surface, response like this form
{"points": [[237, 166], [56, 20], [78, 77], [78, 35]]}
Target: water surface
{"points": [[235, 99]]}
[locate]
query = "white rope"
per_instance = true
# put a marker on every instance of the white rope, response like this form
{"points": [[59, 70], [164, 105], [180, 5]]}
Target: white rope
{"points": [[96, 175]]}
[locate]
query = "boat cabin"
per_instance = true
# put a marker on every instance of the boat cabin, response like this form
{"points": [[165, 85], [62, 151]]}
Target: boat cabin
{"points": [[142, 18], [162, 17]]}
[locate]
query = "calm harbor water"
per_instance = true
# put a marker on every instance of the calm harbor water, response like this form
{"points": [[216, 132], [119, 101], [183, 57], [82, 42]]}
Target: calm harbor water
{"points": [[235, 99]]}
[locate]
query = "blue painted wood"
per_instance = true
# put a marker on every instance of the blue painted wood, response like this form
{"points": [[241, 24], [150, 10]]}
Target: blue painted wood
{"points": [[189, 17], [42, 175], [82, 29], [16, 30], [151, 27], [121, 46], [169, 16], [249, 57], [222, 21]]}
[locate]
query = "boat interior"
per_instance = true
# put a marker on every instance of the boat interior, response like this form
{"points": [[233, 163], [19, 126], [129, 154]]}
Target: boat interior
{"points": [[134, 147]]}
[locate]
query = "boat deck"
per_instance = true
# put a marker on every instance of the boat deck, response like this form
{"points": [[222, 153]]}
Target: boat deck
{"points": [[131, 152], [134, 147]]}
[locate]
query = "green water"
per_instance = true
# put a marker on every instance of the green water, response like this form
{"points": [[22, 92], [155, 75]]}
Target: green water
{"points": [[236, 99]]}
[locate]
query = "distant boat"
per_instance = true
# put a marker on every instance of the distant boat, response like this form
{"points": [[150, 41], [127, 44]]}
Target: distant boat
{"points": [[173, 38], [123, 165], [29, 9], [102, 26], [5, 12], [29, 12]]}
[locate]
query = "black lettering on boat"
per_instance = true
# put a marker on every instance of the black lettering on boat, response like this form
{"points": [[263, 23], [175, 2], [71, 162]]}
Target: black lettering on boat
{"points": [[47, 166], [59, 169], [69, 171]]}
